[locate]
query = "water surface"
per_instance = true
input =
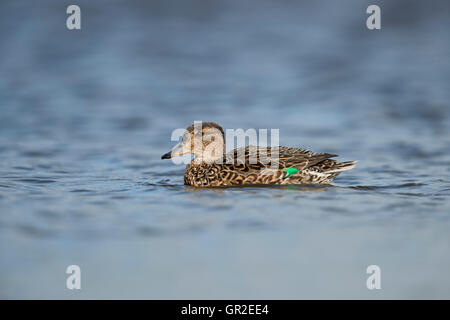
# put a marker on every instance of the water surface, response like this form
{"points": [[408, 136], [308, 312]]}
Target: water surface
{"points": [[85, 116]]}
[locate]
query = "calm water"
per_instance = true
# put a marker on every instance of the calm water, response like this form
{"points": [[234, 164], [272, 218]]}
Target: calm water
{"points": [[86, 115]]}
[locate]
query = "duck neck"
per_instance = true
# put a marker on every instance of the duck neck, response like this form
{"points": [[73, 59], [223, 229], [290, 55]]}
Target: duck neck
{"points": [[212, 152]]}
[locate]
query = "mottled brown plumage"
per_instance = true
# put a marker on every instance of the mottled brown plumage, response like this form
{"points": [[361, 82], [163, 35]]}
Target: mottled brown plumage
{"points": [[256, 165]]}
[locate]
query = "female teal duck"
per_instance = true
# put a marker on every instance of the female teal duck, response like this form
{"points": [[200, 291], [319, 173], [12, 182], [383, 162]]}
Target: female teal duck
{"points": [[212, 167]]}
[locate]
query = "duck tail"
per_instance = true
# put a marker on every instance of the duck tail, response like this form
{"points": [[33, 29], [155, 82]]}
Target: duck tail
{"points": [[342, 166]]}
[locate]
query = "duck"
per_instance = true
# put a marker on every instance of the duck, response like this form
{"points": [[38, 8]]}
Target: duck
{"points": [[250, 165]]}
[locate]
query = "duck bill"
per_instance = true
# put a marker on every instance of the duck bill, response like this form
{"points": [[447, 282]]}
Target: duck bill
{"points": [[167, 155], [178, 150]]}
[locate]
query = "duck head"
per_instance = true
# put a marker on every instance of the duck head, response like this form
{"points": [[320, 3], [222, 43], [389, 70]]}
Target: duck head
{"points": [[205, 140]]}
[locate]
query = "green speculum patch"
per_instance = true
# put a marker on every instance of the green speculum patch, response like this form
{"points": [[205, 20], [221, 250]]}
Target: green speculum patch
{"points": [[290, 171]]}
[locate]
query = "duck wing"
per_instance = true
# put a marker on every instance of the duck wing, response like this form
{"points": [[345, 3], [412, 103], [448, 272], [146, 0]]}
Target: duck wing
{"points": [[301, 158], [255, 158]]}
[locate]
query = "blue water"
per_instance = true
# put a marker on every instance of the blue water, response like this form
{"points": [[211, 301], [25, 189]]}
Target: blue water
{"points": [[86, 115]]}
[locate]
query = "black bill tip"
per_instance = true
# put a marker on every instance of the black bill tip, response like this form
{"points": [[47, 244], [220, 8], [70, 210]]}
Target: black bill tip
{"points": [[167, 155]]}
